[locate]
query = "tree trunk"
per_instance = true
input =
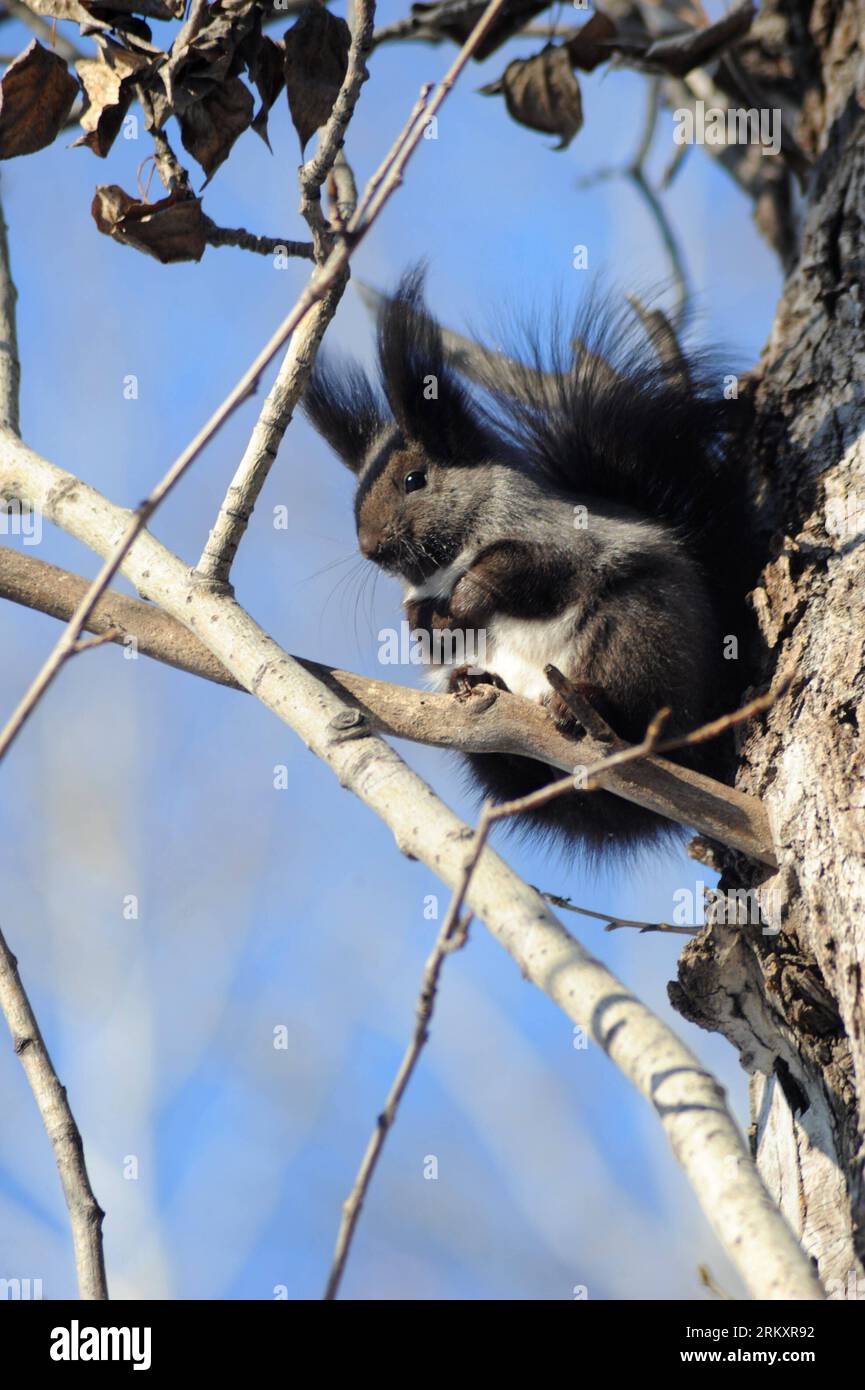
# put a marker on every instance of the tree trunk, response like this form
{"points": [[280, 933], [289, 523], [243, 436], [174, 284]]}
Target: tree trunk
{"points": [[789, 994]]}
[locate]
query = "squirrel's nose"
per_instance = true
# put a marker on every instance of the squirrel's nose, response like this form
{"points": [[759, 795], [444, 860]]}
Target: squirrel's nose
{"points": [[368, 542]]}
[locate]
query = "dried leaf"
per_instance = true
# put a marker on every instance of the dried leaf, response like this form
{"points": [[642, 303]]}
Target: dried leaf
{"points": [[207, 51], [36, 95], [316, 60], [128, 26], [109, 82], [542, 93], [588, 48], [440, 18], [680, 53], [209, 127], [266, 63], [72, 10], [100, 14], [173, 229], [683, 52]]}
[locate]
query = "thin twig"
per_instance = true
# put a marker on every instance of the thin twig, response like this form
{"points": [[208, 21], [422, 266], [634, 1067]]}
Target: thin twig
{"points": [[613, 923], [260, 245], [84, 644], [664, 339], [252, 472], [322, 280], [677, 159], [686, 1099], [260, 453], [708, 1282], [215, 564], [316, 169], [453, 935], [651, 743], [44, 29], [635, 171], [668, 237], [472, 359], [10, 363], [244, 490], [85, 1213], [490, 722], [342, 191]]}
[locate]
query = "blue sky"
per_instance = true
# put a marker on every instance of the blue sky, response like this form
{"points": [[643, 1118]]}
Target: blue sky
{"points": [[261, 908]]}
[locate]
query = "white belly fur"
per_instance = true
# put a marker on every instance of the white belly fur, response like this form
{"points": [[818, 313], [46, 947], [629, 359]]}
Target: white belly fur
{"points": [[517, 649]]}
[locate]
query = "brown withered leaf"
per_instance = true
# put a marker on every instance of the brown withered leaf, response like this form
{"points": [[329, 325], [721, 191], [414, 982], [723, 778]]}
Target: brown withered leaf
{"points": [[209, 128], [99, 14], [683, 52], [173, 229], [36, 95], [588, 47], [542, 93], [678, 54], [316, 59], [265, 60], [108, 81], [440, 17], [205, 52]]}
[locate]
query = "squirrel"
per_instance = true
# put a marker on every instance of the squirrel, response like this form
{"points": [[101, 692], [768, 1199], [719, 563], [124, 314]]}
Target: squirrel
{"points": [[580, 509]]}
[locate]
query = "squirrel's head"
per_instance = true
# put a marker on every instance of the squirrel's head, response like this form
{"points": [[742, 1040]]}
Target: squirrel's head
{"points": [[415, 444]]}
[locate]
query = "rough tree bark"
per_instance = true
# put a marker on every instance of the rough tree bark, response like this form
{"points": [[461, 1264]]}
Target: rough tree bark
{"points": [[789, 996]]}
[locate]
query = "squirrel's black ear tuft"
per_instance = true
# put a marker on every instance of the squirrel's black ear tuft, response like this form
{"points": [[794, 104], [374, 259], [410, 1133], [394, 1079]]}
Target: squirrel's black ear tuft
{"points": [[345, 408], [430, 404]]}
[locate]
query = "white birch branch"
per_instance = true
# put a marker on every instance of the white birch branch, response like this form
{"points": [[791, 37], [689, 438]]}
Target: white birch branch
{"points": [[688, 1101], [260, 453], [384, 182], [491, 721]]}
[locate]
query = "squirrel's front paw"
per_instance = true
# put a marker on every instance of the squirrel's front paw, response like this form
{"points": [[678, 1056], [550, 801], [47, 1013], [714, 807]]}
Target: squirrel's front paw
{"points": [[463, 679]]}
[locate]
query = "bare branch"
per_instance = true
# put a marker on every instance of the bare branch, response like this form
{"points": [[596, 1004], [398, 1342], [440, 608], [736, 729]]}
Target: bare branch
{"points": [[260, 245], [635, 171], [471, 358], [688, 1101], [490, 721], [452, 936], [85, 1214], [614, 923], [260, 453], [10, 364], [314, 172], [84, 644], [483, 364], [43, 29], [323, 280], [662, 335], [252, 472], [230, 525]]}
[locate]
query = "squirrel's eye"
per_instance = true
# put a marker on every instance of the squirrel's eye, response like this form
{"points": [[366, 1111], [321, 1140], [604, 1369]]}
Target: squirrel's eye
{"points": [[415, 480]]}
